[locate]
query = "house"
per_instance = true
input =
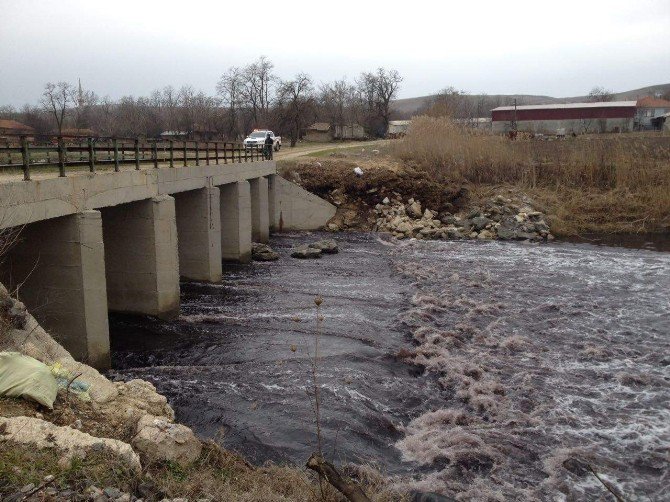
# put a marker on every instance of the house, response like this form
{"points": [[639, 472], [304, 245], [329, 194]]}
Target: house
{"points": [[397, 128], [568, 118], [10, 127], [73, 133], [350, 131], [319, 132], [649, 110]]}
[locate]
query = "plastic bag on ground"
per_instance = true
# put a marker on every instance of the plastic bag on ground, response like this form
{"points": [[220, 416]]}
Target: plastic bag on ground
{"points": [[26, 377]]}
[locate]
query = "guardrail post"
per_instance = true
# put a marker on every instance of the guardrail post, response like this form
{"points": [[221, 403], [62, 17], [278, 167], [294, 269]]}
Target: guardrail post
{"points": [[115, 145], [239, 154], [207, 152], [154, 153], [91, 155], [61, 157], [171, 153], [216, 152], [25, 155], [137, 154], [197, 154]]}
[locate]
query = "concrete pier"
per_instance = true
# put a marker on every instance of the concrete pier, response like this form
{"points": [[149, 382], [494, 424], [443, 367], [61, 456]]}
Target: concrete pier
{"points": [[59, 269], [236, 222], [141, 259], [199, 227], [260, 224], [273, 203]]}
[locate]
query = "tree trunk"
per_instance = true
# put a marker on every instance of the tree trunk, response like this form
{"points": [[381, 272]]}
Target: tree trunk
{"points": [[326, 470]]}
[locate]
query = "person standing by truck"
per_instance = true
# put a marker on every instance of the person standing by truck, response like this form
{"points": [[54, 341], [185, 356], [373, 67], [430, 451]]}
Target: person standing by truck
{"points": [[269, 145]]}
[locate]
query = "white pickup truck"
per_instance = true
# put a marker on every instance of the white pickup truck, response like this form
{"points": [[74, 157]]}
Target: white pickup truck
{"points": [[256, 140]]}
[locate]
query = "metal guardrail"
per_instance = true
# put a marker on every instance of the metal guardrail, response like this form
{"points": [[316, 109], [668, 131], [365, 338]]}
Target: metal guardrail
{"points": [[56, 151]]}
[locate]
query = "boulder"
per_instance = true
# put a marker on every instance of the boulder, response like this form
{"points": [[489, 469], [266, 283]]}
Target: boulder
{"points": [[485, 235], [159, 439], [263, 252], [479, 222], [326, 246], [414, 209], [305, 252], [72, 443]]}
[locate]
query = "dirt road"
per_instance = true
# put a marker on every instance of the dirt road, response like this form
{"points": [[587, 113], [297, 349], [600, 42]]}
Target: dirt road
{"points": [[287, 153]]}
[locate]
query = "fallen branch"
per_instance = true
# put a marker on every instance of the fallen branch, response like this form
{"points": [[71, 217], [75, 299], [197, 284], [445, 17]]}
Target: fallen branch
{"points": [[607, 486], [326, 470]]}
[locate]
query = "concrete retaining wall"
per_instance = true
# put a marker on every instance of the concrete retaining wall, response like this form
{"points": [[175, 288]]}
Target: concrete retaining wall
{"points": [[297, 209]]}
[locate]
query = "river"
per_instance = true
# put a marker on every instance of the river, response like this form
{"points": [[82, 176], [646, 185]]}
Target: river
{"points": [[483, 370]]}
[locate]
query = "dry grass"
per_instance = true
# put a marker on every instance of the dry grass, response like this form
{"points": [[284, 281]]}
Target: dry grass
{"points": [[217, 475], [612, 183]]}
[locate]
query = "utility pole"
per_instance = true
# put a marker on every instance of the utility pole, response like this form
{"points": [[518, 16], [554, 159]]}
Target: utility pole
{"points": [[513, 124]]}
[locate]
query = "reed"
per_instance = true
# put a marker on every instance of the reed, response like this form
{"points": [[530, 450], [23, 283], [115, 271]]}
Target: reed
{"points": [[605, 176]]}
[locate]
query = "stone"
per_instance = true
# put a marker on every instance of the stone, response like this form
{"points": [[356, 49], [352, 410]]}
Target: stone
{"points": [[386, 201], [479, 222], [263, 252], [414, 209], [485, 235], [41, 435], [111, 492], [428, 214], [305, 252], [333, 227], [326, 246], [159, 439]]}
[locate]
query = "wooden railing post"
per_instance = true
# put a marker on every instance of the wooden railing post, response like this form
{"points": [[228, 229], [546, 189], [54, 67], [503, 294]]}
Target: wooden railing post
{"points": [[171, 153], [91, 155], [185, 155], [115, 145], [216, 152], [197, 154], [206, 152], [25, 155], [61, 157], [154, 153], [137, 154], [239, 154]]}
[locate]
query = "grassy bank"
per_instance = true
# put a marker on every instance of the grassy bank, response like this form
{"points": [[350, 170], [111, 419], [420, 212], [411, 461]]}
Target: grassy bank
{"points": [[603, 183]]}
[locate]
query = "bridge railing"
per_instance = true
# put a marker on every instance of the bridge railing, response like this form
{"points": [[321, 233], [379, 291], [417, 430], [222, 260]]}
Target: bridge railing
{"points": [[91, 154]]}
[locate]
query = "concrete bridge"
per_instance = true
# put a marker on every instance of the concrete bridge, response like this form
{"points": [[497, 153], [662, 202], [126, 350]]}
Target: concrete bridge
{"points": [[120, 241]]}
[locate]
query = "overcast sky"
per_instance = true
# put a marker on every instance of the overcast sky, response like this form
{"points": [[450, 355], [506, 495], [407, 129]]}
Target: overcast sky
{"points": [[125, 47]]}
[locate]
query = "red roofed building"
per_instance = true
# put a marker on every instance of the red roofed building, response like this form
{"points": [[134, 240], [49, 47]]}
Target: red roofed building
{"points": [[649, 112], [10, 127], [568, 118]]}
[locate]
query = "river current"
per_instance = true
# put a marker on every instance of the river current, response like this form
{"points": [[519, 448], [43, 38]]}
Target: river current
{"points": [[478, 370]]}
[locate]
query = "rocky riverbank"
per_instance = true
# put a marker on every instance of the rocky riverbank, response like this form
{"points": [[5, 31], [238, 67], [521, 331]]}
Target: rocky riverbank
{"points": [[498, 218]]}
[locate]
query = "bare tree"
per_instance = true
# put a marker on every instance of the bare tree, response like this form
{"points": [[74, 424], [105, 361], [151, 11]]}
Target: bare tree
{"points": [[450, 102], [230, 88], [296, 102], [376, 91], [56, 100], [256, 90], [600, 94]]}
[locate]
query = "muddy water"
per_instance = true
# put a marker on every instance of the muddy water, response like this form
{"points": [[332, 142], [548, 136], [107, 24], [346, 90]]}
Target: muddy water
{"points": [[491, 371]]}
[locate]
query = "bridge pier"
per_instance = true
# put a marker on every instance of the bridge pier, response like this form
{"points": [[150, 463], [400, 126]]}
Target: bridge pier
{"points": [[273, 203], [60, 266], [199, 228], [141, 258], [260, 224], [236, 222]]}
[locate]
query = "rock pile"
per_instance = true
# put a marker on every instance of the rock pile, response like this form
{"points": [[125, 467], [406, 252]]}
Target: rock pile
{"points": [[499, 218], [263, 252], [315, 249]]}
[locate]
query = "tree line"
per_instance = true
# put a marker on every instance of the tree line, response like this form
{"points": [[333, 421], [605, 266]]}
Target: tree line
{"points": [[247, 97]]}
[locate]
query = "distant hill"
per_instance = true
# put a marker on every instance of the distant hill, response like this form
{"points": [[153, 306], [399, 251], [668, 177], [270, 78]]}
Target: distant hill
{"points": [[405, 108]]}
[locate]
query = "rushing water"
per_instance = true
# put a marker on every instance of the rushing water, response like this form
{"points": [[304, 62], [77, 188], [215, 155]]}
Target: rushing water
{"points": [[487, 371]]}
